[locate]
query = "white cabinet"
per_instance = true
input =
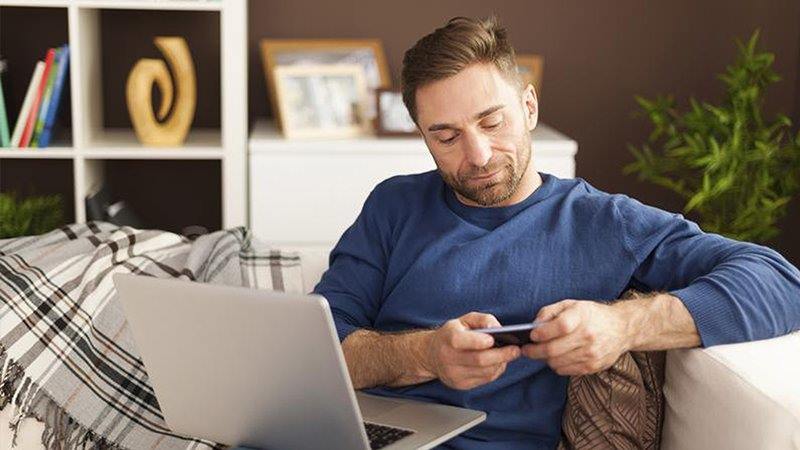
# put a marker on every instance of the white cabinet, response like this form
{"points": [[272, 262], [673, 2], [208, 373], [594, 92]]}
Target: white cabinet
{"points": [[306, 193]]}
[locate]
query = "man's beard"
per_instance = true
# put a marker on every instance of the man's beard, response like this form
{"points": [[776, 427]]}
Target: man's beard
{"points": [[499, 188]]}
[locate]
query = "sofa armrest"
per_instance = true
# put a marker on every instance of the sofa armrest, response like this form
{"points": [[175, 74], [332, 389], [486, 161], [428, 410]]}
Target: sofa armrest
{"points": [[740, 396]]}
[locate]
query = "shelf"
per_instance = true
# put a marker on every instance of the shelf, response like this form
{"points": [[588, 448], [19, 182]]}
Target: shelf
{"points": [[60, 148], [36, 3], [37, 153], [123, 144], [176, 5], [266, 138], [153, 153]]}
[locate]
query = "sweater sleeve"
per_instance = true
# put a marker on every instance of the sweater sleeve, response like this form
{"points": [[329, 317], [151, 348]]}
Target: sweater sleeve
{"points": [[353, 283], [735, 291]]}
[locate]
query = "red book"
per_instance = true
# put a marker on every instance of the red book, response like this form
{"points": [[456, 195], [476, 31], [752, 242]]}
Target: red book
{"points": [[31, 123]]}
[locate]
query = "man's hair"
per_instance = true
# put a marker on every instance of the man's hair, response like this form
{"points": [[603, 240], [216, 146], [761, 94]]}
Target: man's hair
{"points": [[453, 47]]}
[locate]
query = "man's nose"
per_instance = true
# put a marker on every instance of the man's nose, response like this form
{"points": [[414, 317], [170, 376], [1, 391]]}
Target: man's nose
{"points": [[478, 150]]}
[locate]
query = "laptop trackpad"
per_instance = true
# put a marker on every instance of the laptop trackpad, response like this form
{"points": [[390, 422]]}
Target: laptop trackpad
{"points": [[373, 407]]}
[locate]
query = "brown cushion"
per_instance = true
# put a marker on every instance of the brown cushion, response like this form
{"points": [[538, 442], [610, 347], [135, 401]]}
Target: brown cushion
{"points": [[619, 408]]}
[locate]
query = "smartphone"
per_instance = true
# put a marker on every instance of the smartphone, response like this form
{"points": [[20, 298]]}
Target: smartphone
{"points": [[512, 334]]}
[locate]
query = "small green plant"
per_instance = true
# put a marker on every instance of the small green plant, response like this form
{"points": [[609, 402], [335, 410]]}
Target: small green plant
{"points": [[735, 170], [33, 215]]}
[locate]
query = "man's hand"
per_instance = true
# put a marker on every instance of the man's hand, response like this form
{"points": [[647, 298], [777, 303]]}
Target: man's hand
{"points": [[464, 359], [460, 358], [580, 337]]}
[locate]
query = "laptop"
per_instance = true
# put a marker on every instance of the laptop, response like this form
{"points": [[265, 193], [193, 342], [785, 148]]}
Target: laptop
{"points": [[262, 369]]}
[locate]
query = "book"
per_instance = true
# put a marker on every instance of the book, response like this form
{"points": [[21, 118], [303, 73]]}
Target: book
{"points": [[24, 112], [48, 92], [5, 139], [37, 99], [55, 99]]}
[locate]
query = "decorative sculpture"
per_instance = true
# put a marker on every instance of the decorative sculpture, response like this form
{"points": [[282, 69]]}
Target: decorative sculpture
{"points": [[163, 132]]}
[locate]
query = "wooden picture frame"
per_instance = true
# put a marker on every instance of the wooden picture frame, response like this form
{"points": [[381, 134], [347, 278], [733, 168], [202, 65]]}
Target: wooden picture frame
{"points": [[392, 117], [530, 69], [321, 101], [280, 52]]}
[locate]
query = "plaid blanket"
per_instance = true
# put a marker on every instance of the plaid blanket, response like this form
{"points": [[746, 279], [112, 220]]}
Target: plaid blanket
{"points": [[66, 354]]}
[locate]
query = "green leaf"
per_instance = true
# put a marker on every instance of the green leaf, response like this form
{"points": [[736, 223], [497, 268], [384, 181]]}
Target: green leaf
{"points": [[736, 171]]}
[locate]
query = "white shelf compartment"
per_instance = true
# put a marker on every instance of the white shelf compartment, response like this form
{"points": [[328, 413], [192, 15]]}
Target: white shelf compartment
{"points": [[95, 142], [60, 148]]}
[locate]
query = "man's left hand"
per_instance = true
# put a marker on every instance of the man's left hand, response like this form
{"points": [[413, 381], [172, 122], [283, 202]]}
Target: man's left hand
{"points": [[579, 337]]}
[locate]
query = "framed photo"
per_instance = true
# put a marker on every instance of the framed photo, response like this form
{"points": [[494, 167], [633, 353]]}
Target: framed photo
{"points": [[393, 118], [367, 53], [321, 101], [530, 67]]}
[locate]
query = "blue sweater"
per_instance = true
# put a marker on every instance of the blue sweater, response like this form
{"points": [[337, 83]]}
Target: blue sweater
{"points": [[416, 257]]}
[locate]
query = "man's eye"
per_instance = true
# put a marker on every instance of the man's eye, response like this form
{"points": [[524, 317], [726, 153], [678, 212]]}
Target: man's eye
{"points": [[491, 126], [449, 140]]}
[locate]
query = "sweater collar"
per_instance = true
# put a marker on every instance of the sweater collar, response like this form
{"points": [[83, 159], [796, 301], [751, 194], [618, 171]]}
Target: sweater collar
{"points": [[492, 217]]}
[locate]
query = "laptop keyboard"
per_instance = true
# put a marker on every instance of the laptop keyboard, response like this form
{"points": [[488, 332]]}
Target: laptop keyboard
{"points": [[380, 435]]}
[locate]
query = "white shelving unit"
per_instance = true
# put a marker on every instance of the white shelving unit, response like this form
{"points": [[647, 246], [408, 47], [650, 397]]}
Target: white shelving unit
{"points": [[89, 145]]}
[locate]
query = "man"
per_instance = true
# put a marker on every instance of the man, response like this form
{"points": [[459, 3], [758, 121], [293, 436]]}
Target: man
{"points": [[487, 240]]}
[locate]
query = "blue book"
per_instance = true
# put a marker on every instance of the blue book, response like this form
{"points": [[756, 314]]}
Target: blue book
{"points": [[55, 99], [5, 140], [38, 126]]}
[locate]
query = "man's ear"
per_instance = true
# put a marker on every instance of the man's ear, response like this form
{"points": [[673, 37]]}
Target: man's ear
{"points": [[530, 106]]}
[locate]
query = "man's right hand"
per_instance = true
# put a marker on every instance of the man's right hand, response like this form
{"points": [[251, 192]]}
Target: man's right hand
{"points": [[463, 359]]}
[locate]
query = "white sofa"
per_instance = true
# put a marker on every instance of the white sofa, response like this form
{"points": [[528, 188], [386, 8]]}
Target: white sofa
{"points": [[743, 396]]}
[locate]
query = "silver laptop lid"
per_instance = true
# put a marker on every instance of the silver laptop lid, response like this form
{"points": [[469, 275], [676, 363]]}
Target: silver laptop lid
{"points": [[242, 366]]}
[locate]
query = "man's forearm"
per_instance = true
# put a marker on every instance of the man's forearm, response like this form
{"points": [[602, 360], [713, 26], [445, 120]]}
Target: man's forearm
{"points": [[658, 321], [393, 359]]}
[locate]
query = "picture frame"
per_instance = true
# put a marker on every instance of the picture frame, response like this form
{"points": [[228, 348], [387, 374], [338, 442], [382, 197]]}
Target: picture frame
{"points": [[367, 53], [392, 117], [530, 68], [321, 101]]}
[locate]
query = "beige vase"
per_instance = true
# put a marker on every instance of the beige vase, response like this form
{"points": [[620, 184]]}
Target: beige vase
{"points": [[163, 131]]}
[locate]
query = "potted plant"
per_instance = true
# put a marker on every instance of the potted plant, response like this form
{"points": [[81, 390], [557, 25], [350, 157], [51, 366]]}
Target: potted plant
{"points": [[735, 170], [33, 215]]}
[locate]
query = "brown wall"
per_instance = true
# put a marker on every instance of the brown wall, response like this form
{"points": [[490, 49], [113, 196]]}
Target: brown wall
{"points": [[598, 55]]}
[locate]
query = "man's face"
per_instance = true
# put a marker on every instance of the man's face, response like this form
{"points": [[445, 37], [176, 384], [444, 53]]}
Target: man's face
{"points": [[476, 125]]}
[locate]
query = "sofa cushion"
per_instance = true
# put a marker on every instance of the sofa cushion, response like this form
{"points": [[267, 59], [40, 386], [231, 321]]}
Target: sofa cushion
{"points": [[740, 396], [620, 407]]}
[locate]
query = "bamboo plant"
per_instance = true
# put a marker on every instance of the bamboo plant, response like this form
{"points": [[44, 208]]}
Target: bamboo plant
{"points": [[735, 170]]}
